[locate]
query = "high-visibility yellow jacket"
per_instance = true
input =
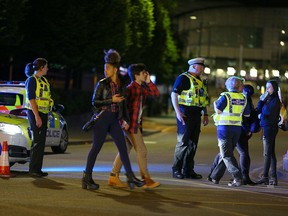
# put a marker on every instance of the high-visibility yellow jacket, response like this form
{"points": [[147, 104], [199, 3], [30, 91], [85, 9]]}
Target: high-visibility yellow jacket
{"points": [[43, 95], [232, 114], [197, 94]]}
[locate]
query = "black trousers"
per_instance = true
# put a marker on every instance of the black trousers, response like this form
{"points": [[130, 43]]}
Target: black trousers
{"points": [[244, 156], [270, 160], [187, 143], [38, 143], [108, 123]]}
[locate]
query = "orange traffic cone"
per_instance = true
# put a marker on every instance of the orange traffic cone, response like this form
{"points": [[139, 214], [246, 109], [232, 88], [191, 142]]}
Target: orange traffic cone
{"points": [[4, 161]]}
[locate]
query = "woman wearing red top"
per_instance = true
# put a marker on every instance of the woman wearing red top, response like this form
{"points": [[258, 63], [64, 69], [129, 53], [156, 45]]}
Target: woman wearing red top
{"points": [[139, 89]]}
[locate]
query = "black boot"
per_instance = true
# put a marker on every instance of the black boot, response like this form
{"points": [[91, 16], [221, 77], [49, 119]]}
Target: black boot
{"points": [[87, 181], [263, 180], [248, 181], [132, 181]]}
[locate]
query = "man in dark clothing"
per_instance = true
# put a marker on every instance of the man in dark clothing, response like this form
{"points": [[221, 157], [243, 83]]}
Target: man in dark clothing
{"points": [[189, 98]]}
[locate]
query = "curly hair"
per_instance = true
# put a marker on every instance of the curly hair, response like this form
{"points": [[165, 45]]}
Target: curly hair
{"points": [[112, 57]]}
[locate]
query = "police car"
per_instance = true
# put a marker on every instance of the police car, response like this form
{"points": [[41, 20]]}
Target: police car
{"points": [[15, 128]]}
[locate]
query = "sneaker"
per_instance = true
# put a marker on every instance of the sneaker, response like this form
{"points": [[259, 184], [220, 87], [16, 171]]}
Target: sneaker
{"points": [[150, 183], [273, 181], [215, 181], [212, 180], [177, 174], [235, 183], [115, 181]]}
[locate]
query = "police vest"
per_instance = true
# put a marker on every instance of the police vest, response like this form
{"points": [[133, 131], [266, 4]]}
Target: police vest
{"points": [[232, 114], [197, 94], [43, 95]]}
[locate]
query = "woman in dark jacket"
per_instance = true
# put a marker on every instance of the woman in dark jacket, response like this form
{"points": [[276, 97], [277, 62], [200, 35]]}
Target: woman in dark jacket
{"points": [[269, 109], [109, 103]]}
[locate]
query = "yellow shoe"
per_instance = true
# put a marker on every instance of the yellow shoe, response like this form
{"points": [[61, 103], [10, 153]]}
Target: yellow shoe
{"points": [[115, 181], [150, 183]]}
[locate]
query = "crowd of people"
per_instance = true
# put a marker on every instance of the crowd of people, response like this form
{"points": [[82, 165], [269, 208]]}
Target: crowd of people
{"points": [[118, 110], [235, 120]]}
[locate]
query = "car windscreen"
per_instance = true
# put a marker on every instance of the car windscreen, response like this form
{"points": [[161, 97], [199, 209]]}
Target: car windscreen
{"points": [[11, 99]]}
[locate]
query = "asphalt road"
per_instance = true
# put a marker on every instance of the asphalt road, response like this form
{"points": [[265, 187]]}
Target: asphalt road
{"points": [[61, 193]]}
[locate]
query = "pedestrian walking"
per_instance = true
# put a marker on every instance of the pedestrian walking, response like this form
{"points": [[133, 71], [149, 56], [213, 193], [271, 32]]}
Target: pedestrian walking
{"points": [[109, 105], [139, 89]]}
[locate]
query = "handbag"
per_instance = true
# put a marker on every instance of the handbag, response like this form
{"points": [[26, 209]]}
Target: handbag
{"points": [[89, 124]]}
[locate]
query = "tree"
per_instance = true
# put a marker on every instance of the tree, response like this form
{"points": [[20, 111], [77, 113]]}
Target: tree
{"points": [[74, 35], [141, 26], [163, 52], [11, 15]]}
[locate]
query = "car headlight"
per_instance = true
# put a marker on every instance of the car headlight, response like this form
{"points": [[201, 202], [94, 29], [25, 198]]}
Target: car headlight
{"points": [[10, 129]]}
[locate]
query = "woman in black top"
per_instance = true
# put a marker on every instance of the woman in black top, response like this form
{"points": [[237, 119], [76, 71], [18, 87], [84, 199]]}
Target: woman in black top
{"points": [[269, 109], [109, 103]]}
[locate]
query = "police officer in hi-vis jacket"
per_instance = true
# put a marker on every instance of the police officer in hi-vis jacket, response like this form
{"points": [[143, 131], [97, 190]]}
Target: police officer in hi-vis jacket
{"points": [[39, 103], [229, 109], [189, 98]]}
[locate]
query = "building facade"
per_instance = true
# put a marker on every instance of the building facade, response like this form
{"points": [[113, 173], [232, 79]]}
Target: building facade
{"points": [[248, 41]]}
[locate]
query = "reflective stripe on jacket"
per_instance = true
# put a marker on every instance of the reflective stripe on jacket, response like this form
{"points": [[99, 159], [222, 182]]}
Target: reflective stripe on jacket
{"points": [[43, 95], [197, 94], [232, 114]]}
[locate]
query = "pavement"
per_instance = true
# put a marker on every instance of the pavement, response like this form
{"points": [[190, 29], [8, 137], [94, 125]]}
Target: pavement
{"points": [[152, 125]]}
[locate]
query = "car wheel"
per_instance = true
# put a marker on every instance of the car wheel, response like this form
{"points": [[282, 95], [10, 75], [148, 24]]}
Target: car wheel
{"points": [[63, 142]]}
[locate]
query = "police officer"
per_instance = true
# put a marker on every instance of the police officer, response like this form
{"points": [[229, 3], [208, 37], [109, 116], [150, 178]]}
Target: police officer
{"points": [[189, 98], [242, 146], [229, 109], [39, 103]]}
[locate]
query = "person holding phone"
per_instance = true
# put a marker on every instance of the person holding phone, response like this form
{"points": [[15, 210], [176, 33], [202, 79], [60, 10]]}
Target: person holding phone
{"points": [[269, 108], [139, 89], [109, 97]]}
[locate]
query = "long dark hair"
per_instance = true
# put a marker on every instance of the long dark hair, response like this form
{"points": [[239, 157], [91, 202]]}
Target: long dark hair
{"points": [[36, 65]]}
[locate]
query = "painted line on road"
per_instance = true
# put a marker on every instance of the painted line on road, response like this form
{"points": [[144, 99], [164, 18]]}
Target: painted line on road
{"points": [[150, 142]]}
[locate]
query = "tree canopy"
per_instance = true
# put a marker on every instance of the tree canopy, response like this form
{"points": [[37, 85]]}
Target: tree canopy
{"points": [[73, 34]]}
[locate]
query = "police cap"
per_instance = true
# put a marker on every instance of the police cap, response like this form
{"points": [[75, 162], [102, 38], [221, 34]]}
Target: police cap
{"points": [[199, 61]]}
